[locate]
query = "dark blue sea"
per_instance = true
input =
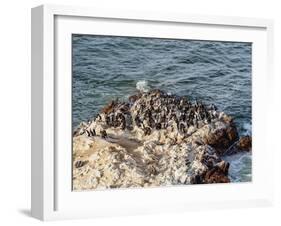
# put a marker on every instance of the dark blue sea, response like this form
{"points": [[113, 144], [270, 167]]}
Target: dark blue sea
{"points": [[106, 68]]}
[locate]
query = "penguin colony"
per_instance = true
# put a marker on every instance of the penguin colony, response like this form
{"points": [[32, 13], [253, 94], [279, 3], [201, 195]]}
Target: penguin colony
{"points": [[154, 110]]}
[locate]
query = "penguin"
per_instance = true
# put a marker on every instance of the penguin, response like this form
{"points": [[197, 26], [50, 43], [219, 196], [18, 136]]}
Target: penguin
{"points": [[213, 107], [123, 121], [196, 124], [88, 133], [196, 104], [99, 117], [182, 128], [158, 126], [147, 131], [80, 163], [138, 121], [182, 117], [151, 121], [103, 134], [93, 132], [107, 120]]}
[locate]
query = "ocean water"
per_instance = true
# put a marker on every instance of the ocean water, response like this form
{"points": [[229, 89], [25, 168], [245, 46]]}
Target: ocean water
{"points": [[108, 67]]}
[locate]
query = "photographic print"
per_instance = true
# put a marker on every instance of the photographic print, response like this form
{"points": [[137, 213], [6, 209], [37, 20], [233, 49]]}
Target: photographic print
{"points": [[151, 112]]}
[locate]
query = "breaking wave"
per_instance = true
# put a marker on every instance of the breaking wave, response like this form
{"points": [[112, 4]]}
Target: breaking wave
{"points": [[247, 129], [240, 168], [142, 86]]}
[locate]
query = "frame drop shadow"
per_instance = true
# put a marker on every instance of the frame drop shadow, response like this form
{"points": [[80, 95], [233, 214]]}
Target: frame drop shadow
{"points": [[26, 212]]}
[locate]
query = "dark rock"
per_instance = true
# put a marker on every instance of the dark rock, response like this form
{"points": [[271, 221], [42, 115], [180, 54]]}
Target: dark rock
{"points": [[80, 163], [245, 143], [218, 174], [222, 138]]}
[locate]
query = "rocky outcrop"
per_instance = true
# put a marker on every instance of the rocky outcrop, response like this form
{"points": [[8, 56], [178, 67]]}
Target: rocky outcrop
{"points": [[153, 139], [245, 143]]}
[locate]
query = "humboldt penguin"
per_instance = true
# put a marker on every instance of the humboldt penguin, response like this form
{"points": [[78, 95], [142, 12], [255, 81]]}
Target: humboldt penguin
{"points": [[103, 134], [147, 131], [92, 132]]}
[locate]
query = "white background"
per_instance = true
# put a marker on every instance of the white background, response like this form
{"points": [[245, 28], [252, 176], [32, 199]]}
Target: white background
{"points": [[15, 112], [152, 199]]}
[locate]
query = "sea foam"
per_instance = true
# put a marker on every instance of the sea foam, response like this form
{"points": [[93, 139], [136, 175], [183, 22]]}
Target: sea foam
{"points": [[240, 169], [142, 86], [247, 129]]}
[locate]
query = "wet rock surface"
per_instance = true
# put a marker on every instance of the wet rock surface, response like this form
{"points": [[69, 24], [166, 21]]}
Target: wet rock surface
{"points": [[153, 139], [245, 143]]}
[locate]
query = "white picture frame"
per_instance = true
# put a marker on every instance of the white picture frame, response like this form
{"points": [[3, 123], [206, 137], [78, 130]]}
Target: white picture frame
{"points": [[52, 197]]}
